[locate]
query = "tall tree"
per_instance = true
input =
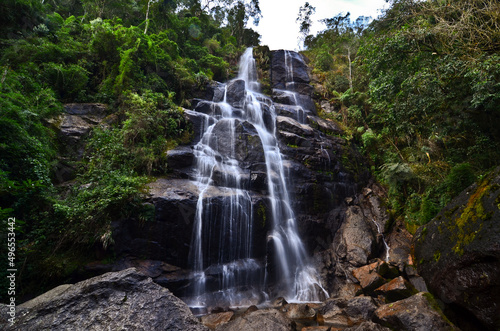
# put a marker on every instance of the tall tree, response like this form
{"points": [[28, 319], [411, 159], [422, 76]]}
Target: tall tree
{"points": [[304, 19]]}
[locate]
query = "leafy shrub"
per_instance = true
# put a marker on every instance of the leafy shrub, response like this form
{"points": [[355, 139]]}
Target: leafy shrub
{"points": [[460, 177]]}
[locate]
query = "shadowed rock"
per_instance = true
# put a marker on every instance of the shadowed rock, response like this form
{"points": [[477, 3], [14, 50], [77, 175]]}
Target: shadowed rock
{"points": [[114, 301]]}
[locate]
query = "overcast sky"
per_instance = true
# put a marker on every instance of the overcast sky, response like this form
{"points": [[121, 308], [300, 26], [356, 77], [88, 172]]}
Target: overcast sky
{"points": [[280, 31]]}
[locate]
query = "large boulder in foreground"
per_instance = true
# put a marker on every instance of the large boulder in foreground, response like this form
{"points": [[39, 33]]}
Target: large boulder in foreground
{"points": [[458, 255], [125, 300]]}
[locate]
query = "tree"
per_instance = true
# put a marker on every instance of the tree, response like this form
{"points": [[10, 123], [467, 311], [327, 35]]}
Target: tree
{"points": [[304, 19]]}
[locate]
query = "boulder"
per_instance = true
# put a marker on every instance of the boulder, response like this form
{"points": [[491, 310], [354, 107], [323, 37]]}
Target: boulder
{"points": [[416, 313], [288, 124], [115, 301], [343, 312], [397, 289], [368, 326], [458, 254], [180, 157], [368, 277], [356, 240], [214, 320], [299, 311], [264, 319]]}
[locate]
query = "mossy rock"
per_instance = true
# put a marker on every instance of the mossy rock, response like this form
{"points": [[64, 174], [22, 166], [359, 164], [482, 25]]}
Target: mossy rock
{"points": [[458, 252]]}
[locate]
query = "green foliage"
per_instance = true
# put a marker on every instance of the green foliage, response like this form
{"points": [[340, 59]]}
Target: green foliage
{"points": [[425, 89], [459, 178]]}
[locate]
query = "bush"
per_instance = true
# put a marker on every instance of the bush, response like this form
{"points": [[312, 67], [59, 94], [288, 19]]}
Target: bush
{"points": [[460, 177]]}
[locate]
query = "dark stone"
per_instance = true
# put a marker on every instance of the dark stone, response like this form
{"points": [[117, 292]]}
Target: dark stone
{"points": [[417, 313], [118, 300], [167, 237], [238, 140], [458, 253], [397, 289], [279, 68], [180, 157], [236, 93], [200, 122], [290, 125], [356, 240], [263, 319], [368, 326]]}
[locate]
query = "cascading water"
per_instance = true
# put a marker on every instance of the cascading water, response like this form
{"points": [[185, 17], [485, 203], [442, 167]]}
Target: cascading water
{"points": [[225, 268]]}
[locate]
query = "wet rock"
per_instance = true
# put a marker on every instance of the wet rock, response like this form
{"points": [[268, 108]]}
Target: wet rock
{"points": [[290, 125], [417, 313], [119, 300], [280, 65], [279, 302], [199, 121], [236, 93], [180, 157], [213, 320], [458, 254], [247, 148], [163, 238], [396, 289], [360, 309], [264, 319]]}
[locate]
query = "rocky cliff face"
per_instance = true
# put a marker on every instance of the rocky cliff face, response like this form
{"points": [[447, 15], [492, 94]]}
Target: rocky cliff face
{"points": [[323, 169], [458, 254], [339, 214]]}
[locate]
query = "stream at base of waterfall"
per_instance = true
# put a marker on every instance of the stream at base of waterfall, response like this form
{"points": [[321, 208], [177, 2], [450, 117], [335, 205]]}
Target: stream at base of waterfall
{"points": [[226, 271]]}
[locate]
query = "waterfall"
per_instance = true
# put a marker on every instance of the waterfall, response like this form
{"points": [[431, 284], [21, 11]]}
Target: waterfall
{"points": [[226, 270]]}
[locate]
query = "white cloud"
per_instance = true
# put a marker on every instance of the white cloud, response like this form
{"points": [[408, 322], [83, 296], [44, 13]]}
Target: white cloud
{"points": [[279, 29]]}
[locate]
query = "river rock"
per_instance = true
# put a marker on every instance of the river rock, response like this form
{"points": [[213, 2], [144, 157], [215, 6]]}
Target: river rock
{"points": [[213, 320], [236, 93], [116, 301], [417, 313], [263, 319], [397, 289], [458, 254]]}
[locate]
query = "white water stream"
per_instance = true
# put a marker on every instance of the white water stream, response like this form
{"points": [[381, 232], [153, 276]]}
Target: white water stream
{"points": [[222, 241]]}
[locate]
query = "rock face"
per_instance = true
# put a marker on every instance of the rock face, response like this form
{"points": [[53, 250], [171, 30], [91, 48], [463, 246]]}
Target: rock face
{"points": [[123, 300], [72, 126], [458, 254]]}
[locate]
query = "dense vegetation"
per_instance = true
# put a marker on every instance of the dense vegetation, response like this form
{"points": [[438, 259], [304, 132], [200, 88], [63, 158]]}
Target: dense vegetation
{"points": [[143, 59], [419, 89]]}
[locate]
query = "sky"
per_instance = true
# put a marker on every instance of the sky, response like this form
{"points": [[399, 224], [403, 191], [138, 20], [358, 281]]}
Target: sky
{"points": [[278, 27]]}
